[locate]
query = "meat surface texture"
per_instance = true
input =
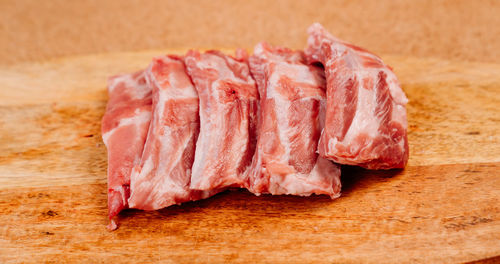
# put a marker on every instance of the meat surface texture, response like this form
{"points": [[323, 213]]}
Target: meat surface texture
{"points": [[292, 109], [163, 176], [366, 121], [124, 128], [228, 110]]}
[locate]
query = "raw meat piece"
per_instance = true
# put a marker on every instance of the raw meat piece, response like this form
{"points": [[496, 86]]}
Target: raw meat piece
{"points": [[292, 108], [124, 128], [228, 111], [162, 178], [366, 115]]}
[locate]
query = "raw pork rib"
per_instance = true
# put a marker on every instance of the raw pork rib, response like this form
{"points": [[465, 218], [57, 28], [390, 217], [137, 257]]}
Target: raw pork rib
{"points": [[292, 108], [163, 176], [124, 128], [366, 115], [228, 111]]}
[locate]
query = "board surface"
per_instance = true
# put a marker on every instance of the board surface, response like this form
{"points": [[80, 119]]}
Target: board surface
{"points": [[444, 207]]}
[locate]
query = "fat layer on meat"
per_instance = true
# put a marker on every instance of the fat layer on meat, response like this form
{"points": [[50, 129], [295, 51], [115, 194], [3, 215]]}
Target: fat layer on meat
{"points": [[366, 121], [163, 176], [124, 128], [228, 108], [292, 109]]}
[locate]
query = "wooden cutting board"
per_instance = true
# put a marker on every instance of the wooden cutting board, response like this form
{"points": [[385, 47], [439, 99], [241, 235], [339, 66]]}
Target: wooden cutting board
{"points": [[444, 207]]}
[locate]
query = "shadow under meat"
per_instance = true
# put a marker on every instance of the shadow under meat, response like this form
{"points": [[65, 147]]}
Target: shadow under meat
{"points": [[252, 208], [356, 178]]}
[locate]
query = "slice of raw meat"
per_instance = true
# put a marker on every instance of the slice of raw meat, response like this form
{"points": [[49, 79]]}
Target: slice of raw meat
{"points": [[124, 128], [292, 108], [162, 178], [228, 111], [366, 116]]}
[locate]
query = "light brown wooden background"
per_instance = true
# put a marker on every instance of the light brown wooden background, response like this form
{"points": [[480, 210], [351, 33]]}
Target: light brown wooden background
{"points": [[444, 207], [451, 29]]}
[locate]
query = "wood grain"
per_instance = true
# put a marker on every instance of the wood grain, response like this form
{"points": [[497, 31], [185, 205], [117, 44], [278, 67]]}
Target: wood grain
{"points": [[444, 207]]}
